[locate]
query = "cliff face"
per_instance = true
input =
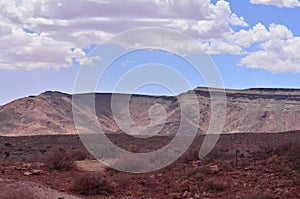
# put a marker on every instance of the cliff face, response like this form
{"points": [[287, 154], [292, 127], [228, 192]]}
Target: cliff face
{"points": [[251, 110], [263, 110]]}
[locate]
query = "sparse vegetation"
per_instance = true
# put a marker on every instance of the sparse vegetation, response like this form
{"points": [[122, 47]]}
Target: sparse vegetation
{"points": [[296, 179], [123, 181], [214, 184], [215, 176], [79, 154], [296, 166], [226, 165], [92, 184], [191, 155], [257, 195], [6, 154], [221, 153], [59, 160], [43, 151], [8, 144], [288, 149]]}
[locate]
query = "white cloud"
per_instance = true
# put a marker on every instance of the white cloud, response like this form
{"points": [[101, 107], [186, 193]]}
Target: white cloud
{"points": [[238, 21], [222, 47], [277, 48], [276, 55], [274, 49], [158, 38], [259, 33], [5, 30], [64, 26], [278, 3], [81, 57], [21, 50]]}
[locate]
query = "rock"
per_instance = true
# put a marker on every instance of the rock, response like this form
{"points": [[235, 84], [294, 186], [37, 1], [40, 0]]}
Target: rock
{"points": [[198, 163], [27, 165], [248, 168], [185, 194], [279, 190], [174, 195], [39, 164], [214, 168], [152, 177], [27, 173], [37, 172], [270, 160], [204, 194], [20, 168]]}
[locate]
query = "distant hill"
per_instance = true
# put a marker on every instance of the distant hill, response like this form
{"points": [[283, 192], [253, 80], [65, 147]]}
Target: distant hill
{"points": [[251, 110]]}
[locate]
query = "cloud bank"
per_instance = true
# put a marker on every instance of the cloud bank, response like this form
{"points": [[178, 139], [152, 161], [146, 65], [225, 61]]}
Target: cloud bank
{"points": [[278, 3], [51, 34]]}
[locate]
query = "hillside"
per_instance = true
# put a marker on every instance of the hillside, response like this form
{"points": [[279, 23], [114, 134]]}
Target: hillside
{"points": [[251, 110]]}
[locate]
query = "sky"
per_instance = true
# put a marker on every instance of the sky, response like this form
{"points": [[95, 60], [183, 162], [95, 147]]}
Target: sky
{"points": [[45, 43]]}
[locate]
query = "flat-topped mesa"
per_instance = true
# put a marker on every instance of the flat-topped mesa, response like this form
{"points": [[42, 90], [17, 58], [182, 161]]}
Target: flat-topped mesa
{"points": [[275, 89], [254, 93], [250, 110]]}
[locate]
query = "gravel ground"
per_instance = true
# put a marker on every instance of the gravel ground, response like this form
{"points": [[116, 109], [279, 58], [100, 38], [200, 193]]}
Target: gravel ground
{"points": [[24, 189]]}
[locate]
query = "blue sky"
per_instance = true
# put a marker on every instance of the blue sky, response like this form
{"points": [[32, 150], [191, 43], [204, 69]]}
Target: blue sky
{"points": [[254, 43]]}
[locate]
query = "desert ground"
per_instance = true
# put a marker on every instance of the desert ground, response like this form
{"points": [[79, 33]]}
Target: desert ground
{"points": [[241, 166]]}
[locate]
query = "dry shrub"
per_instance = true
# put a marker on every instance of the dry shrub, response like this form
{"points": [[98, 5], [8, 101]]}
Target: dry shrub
{"points": [[92, 184], [191, 171], [283, 149], [203, 170], [136, 165], [78, 155], [256, 195], [226, 165], [296, 166], [215, 184], [293, 153], [190, 155], [221, 154], [243, 162], [59, 160], [289, 149], [123, 181], [15, 193], [147, 180], [174, 195], [296, 180]]}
